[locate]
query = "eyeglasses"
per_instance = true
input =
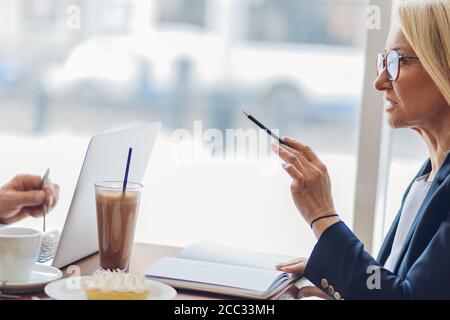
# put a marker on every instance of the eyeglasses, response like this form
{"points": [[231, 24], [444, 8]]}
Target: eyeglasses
{"points": [[391, 61]]}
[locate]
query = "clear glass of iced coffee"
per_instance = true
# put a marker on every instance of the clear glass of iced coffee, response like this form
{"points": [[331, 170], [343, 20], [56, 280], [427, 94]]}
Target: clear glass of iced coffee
{"points": [[117, 209]]}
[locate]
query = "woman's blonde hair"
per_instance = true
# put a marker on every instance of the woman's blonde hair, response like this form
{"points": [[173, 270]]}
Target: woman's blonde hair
{"points": [[426, 25]]}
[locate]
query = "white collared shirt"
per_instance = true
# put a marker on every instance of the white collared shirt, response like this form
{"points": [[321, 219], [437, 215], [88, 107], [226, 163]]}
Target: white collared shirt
{"points": [[413, 201]]}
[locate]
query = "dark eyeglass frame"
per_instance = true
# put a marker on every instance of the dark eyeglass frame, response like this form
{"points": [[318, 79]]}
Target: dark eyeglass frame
{"points": [[392, 68]]}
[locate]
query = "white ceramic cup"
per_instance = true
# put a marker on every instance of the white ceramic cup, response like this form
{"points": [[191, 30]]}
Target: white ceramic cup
{"points": [[19, 248]]}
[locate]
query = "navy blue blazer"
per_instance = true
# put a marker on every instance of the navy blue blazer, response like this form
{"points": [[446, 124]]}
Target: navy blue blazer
{"points": [[340, 266]]}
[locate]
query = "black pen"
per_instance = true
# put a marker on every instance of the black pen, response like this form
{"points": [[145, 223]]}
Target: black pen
{"points": [[259, 124], [44, 178]]}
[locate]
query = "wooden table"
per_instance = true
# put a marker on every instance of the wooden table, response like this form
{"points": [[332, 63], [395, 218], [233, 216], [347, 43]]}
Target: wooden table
{"points": [[143, 255]]}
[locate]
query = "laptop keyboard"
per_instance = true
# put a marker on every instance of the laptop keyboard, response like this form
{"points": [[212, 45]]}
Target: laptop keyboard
{"points": [[48, 246]]}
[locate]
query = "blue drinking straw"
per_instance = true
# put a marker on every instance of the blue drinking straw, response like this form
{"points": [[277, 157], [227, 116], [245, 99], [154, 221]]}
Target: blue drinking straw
{"points": [[127, 169]]}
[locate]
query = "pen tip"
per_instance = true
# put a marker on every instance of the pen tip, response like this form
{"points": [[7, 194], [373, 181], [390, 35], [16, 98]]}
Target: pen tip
{"points": [[245, 113]]}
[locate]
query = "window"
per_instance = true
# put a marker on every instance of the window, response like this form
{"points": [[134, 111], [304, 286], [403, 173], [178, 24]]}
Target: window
{"points": [[40, 10], [297, 66], [106, 17], [321, 22], [40, 15], [182, 11]]}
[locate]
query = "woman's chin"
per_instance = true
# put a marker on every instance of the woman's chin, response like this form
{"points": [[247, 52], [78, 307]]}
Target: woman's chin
{"points": [[395, 122]]}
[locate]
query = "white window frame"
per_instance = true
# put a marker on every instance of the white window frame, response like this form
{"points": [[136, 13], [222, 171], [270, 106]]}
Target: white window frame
{"points": [[374, 142]]}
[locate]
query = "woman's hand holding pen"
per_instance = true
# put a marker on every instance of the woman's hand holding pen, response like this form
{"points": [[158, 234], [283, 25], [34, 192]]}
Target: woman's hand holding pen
{"points": [[311, 186], [311, 191], [23, 196]]}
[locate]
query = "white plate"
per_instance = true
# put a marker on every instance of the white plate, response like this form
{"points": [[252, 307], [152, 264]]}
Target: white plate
{"points": [[40, 276], [71, 289]]}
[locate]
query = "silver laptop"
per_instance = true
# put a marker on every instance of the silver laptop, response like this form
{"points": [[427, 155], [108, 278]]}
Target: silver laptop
{"points": [[105, 159]]}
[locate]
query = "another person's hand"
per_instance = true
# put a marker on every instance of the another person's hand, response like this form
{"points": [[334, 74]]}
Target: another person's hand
{"points": [[23, 196], [298, 266], [311, 186]]}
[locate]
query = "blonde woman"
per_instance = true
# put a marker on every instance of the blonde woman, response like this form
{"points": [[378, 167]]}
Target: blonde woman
{"points": [[414, 261]]}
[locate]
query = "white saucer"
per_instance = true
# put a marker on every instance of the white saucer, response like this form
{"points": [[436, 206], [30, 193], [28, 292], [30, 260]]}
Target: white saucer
{"points": [[71, 289], [41, 275]]}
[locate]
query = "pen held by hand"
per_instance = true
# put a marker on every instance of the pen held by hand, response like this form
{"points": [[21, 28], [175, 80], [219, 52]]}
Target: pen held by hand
{"points": [[263, 127], [44, 207]]}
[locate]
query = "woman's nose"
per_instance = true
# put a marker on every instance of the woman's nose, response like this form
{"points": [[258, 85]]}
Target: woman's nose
{"points": [[382, 82]]}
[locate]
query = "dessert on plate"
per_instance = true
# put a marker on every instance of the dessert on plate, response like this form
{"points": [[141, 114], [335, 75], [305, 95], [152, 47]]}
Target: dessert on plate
{"points": [[117, 285]]}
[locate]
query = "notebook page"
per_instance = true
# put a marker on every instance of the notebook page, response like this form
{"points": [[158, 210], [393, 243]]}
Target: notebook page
{"points": [[212, 252], [259, 280]]}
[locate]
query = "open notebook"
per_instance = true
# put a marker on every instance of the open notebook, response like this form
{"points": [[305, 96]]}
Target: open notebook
{"points": [[225, 270]]}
